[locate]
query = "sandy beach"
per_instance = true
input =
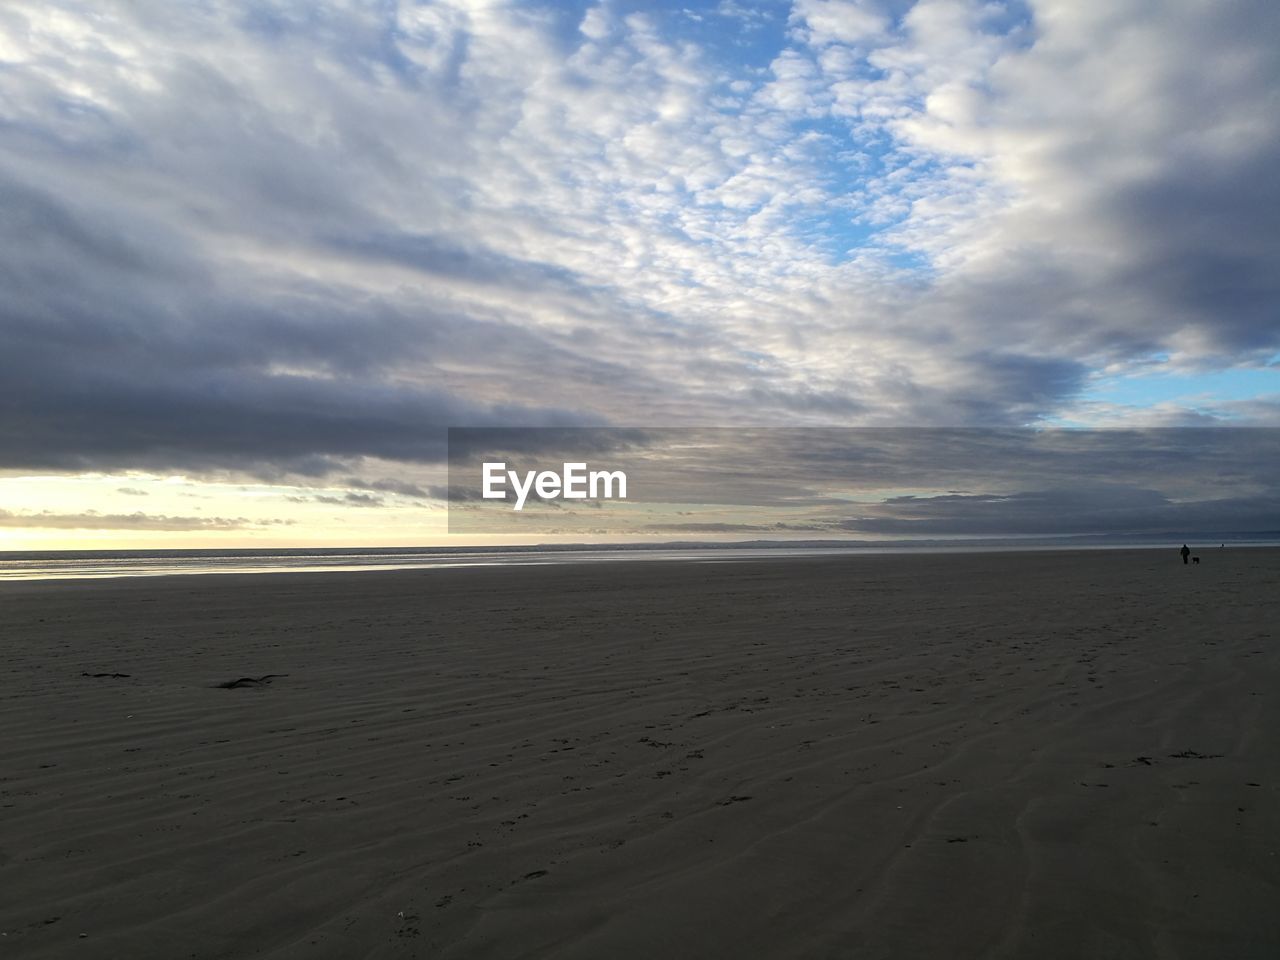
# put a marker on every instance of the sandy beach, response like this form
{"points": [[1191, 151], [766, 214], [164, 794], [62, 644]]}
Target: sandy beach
{"points": [[988, 755]]}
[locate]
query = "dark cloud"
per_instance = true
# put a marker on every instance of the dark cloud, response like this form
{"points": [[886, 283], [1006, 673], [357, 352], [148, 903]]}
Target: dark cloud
{"points": [[400, 488], [117, 354], [926, 482], [1093, 509], [91, 520], [349, 500], [246, 418], [438, 255], [708, 527]]}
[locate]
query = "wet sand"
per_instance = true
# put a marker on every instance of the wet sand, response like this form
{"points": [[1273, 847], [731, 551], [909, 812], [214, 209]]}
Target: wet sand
{"points": [[989, 755]]}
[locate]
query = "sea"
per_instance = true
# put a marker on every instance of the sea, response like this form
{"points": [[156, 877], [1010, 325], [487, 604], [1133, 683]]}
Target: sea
{"points": [[97, 564]]}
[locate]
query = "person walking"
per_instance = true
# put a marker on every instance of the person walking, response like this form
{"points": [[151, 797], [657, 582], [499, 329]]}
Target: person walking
{"points": [[1186, 552]]}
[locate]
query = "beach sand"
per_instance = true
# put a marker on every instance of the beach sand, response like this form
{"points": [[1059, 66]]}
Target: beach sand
{"points": [[986, 755]]}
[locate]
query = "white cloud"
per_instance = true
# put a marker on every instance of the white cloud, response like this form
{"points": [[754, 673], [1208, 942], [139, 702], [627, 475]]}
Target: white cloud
{"points": [[839, 21]]}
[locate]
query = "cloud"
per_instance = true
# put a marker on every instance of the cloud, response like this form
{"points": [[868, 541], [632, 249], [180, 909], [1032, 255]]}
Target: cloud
{"points": [[902, 483], [347, 500], [298, 240], [92, 520], [1098, 188], [400, 488], [1087, 509], [707, 528], [839, 21]]}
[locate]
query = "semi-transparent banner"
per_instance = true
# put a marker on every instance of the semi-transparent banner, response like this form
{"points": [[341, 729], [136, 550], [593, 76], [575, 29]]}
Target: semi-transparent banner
{"points": [[865, 483]]}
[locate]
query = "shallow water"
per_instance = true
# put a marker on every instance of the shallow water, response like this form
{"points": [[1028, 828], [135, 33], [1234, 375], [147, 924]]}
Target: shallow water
{"points": [[94, 564]]}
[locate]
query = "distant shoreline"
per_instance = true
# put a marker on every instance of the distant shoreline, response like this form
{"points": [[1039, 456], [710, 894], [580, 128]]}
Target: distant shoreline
{"points": [[99, 565]]}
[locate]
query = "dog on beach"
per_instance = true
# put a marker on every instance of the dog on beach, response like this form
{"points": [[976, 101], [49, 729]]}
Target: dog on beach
{"points": [[1195, 559]]}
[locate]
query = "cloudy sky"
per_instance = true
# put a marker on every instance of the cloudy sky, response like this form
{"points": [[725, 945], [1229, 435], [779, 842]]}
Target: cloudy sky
{"points": [[256, 256], [1153, 484]]}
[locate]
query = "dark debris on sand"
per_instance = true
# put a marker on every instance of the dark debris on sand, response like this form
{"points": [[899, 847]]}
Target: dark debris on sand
{"points": [[261, 681]]}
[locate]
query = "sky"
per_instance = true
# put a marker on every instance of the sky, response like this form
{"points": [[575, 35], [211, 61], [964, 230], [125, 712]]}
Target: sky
{"points": [[874, 484], [256, 257]]}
